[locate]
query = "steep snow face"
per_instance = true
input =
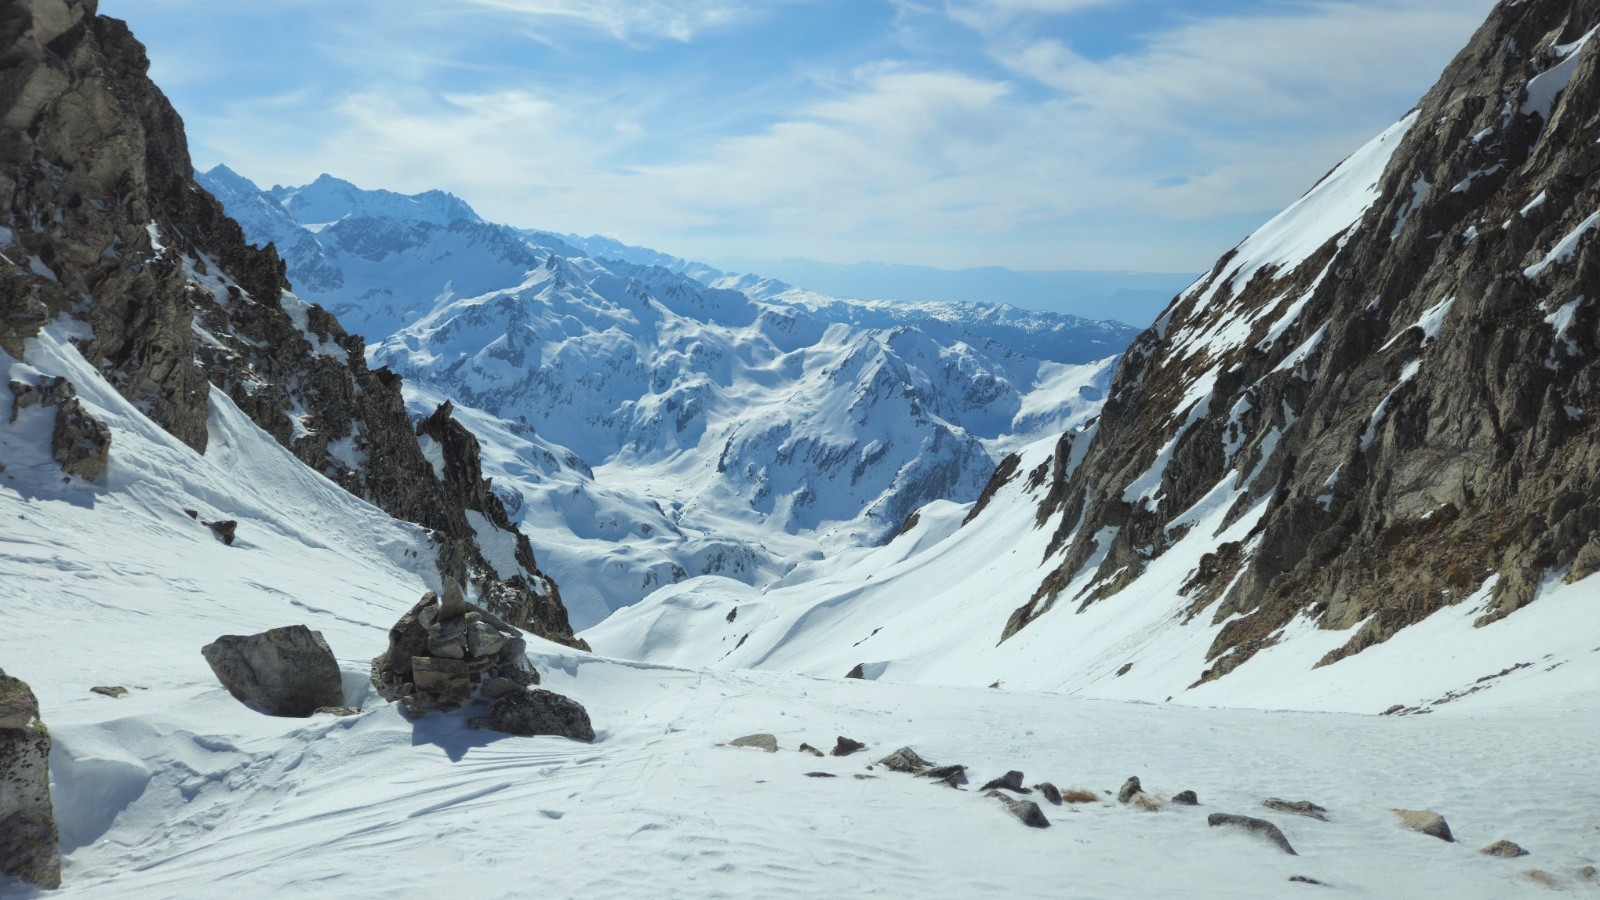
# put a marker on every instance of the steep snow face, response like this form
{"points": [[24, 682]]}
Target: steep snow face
{"points": [[1353, 466], [656, 427]]}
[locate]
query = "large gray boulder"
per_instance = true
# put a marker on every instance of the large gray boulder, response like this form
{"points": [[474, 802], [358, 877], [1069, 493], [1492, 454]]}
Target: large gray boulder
{"points": [[283, 672], [537, 712], [30, 847]]}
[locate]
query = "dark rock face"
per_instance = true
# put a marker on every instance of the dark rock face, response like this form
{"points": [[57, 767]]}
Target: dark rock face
{"points": [[80, 442], [30, 847], [97, 184], [284, 672], [538, 712], [1256, 826], [1424, 417]]}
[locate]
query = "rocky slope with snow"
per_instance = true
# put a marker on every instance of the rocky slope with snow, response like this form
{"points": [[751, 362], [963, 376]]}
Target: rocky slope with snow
{"points": [[108, 241], [656, 419], [1364, 443]]}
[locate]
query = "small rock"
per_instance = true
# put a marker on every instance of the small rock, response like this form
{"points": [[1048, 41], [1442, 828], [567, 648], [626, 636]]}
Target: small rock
{"points": [[905, 760], [1426, 821], [761, 741], [539, 712], [861, 776], [283, 672], [1126, 668], [192, 513], [1590, 874], [860, 671], [995, 686], [338, 711], [1186, 798], [1011, 781], [1258, 826], [807, 748], [845, 746], [1130, 789], [1301, 879], [226, 529], [1503, 849], [954, 776], [1299, 807], [821, 775], [115, 693], [1050, 792], [1394, 709], [1026, 810], [1078, 795]]}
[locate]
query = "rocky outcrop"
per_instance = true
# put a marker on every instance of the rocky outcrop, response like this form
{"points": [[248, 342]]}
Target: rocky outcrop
{"points": [[282, 672], [1406, 408], [443, 650], [30, 848], [97, 192]]}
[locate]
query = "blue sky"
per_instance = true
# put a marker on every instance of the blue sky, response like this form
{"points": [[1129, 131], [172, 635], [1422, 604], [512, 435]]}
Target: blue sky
{"points": [[1146, 135]]}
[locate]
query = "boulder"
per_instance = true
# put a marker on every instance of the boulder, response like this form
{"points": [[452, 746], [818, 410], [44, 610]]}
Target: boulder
{"points": [[1504, 850], [807, 748], [115, 693], [905, 760], [954, 776], [30, 846], [227, 529], [1025, 810], [846, 746], [538, 712], [761, 741], [1426, 821], [860, 671], [1299, 807], [1010, 781], [1130, 789], [1050, 792], [283, 672], [1186, 798], [1256, 826]]}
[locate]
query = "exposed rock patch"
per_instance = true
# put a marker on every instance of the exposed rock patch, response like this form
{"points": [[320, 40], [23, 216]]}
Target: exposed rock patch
{"points": [[1186, 798], [1026, 810], [766, 742], [1255, 826], [1299, 807], [1049, 791], [282, 672], [538, 712], [1130, 789], [1425, 821], [846, 746], [30, 847], [115, 693], [1010, 781], [1503, 849], [905, 760], [80, 443]]}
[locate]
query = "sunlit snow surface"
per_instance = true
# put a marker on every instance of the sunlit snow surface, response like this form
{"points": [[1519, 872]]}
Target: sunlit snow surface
{"points": [[179, 791]]}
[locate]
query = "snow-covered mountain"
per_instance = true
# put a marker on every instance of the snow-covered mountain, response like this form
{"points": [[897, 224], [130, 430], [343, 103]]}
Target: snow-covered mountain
{"points": [[653, 419], [1363, 445]]}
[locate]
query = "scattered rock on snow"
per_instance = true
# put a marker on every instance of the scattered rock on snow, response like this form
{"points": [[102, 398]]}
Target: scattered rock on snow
{"points": [[30, 847], [860, 671], [905, 760], [1301, 879], [760, 741], [1186, 798], [1050, 792], [1011, 781], [1503, 849], [538, 712], [283, 672], [340, 711], [1299, 807], [1589, 874], [846, 746], [1426, 821], [1130, 789], [1257, 826], [821, 775], [1026, 810], [226, 529], [807, 748], [954, 776], [115, 693]]}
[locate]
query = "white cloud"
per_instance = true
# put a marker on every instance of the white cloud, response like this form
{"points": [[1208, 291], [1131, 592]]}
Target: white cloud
{"points": [[626, 20]]}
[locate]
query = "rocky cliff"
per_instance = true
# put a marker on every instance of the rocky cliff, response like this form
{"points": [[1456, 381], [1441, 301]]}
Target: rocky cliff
{"points": [[1394, 385], [104, 224]]}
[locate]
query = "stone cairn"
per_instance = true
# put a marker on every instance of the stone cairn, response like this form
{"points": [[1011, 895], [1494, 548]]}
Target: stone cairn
{"points": [[445, 650]]}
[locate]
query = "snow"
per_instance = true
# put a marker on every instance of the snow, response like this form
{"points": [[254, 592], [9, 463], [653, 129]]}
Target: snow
{"points": [[1561, 321], [1564, 249], [1547, 85], [1431, 320]]}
